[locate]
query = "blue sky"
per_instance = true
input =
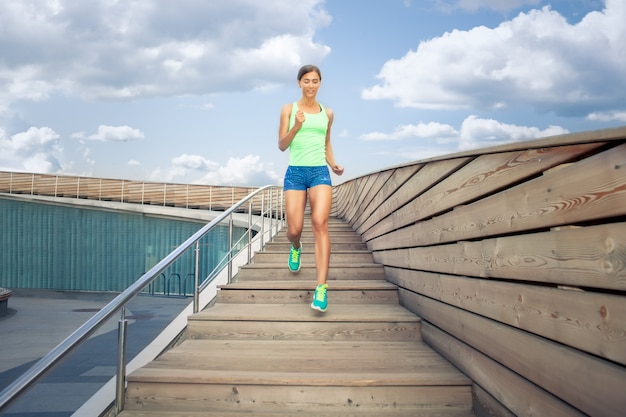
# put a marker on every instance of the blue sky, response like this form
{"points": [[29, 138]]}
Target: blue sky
{"points": [[189, 91]]}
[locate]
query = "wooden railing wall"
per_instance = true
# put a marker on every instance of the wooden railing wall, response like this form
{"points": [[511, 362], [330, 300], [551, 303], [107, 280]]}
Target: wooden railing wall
{"points": [[207, 197], [515, 258]]}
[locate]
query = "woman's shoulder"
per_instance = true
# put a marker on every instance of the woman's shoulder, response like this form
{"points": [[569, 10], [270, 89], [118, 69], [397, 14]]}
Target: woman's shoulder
{"points": [[286, 109], [329, 111]]}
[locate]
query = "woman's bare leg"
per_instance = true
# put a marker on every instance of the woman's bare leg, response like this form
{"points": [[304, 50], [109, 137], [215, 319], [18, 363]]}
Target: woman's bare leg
{"points": [[320, 198], [295, 202]]}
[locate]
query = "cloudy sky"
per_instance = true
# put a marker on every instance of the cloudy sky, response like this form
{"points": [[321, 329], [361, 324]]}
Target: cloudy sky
{"points": [[189, 91]]}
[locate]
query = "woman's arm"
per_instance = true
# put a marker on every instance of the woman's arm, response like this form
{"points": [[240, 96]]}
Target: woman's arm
{"points": [[286, 135], [330, 156]]}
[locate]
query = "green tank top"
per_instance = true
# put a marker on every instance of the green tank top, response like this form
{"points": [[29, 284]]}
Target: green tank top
{"points": [[308, 147]]}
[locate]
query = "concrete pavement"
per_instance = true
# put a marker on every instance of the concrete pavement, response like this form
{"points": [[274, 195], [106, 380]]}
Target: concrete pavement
{"points": [[38, 320]]}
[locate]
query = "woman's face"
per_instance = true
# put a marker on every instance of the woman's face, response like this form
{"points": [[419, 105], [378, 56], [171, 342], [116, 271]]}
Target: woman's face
{"points": [[310, 84]]}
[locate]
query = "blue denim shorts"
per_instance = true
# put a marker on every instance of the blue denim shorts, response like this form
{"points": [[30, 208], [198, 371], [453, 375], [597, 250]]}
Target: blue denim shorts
{"points": [[303, 178]]}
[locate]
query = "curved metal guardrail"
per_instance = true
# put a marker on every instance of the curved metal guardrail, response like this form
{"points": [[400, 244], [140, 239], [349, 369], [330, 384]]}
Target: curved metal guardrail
{"points": [[274, 212]]}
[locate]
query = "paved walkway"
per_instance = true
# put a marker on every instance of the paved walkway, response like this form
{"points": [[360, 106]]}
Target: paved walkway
{"points": [[38, 320]]}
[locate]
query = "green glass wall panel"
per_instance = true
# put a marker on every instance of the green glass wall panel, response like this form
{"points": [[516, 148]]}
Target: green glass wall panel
{"points": [[66, 248]]}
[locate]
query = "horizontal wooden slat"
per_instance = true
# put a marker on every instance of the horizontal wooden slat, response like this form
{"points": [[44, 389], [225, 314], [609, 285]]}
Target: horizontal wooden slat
{"points": [[129, 191], [581, 192], [516, 393], [593, 256], [593, 322], [397, 178], [479, 178], [592, 385], [422, 180]]}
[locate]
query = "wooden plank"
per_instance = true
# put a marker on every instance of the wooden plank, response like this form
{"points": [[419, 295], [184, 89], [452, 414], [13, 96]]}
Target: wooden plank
{"points": [[271, 272], [305, 295], [382, 219], [589, 384], [581, 192], [361, 196], [485, 405], [284, 292], [510, 389], [292, 399], [593, 256], [380, 362], [21, 183], [67, 186], [44, 184], [443, 411], [111, 190], [336, 256], [302, 313], [299, 285], [399, 177], [392, 181], [313, 330], [5, 182], [342, 195], [615, 135], [589, 321], [89, 188]]}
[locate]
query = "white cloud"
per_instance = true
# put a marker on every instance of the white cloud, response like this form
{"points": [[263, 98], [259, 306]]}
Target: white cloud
{"points": [[425, 140], [112, 134], [478, 132], [35, 150], [498, 5], [536, 59], [246, 171], [610, 116], [421, 130], [123, 50]]}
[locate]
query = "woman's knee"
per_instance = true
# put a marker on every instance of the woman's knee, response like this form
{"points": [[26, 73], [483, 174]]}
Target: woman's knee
{"points": [[319, 225]]}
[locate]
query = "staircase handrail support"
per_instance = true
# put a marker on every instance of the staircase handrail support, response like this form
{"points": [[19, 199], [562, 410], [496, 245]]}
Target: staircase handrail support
{"points": [[18, 387]]}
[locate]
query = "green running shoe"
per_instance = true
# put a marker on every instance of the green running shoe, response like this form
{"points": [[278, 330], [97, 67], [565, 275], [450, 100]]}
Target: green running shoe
{"points": [[320, 301], [294, 258]]}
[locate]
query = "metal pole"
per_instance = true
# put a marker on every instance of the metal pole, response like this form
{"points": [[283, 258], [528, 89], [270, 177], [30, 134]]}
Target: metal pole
{"points": [[250, 231], [120, 386], [262, 219], [271, 210], [230, 249], [196, 281]]}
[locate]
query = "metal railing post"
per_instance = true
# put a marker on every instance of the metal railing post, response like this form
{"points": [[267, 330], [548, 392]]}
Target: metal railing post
{"points": [[250, 231], [196, 280], [230, 246], [120, 385], [270, 210], [262, 219]]}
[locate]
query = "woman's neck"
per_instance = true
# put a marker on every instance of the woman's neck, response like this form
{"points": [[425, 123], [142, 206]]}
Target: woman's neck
{"points": [[308, 102]]}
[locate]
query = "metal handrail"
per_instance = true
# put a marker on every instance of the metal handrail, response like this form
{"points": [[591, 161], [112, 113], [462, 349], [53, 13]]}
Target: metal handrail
{"points": [[18, 387]]}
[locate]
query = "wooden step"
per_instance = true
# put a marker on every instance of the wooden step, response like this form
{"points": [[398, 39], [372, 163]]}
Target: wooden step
{"points": [[309, 246], [279, 271], [261, 350], [258, 375], [344, 292], [336, 256], [308, 238], [299, 321], [350, 411]]}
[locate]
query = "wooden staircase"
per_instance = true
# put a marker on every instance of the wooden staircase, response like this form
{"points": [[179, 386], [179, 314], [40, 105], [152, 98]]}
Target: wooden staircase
{"points": [[260, 349]]}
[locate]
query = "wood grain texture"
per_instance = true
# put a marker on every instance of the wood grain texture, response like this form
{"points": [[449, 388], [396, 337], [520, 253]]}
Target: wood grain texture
{"points": [[591, 385], [589, 321], [383, 219], [590, 257]]}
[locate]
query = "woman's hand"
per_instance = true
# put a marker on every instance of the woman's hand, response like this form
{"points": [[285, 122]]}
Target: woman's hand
{"points": [[299, 119], [337, 169]]}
